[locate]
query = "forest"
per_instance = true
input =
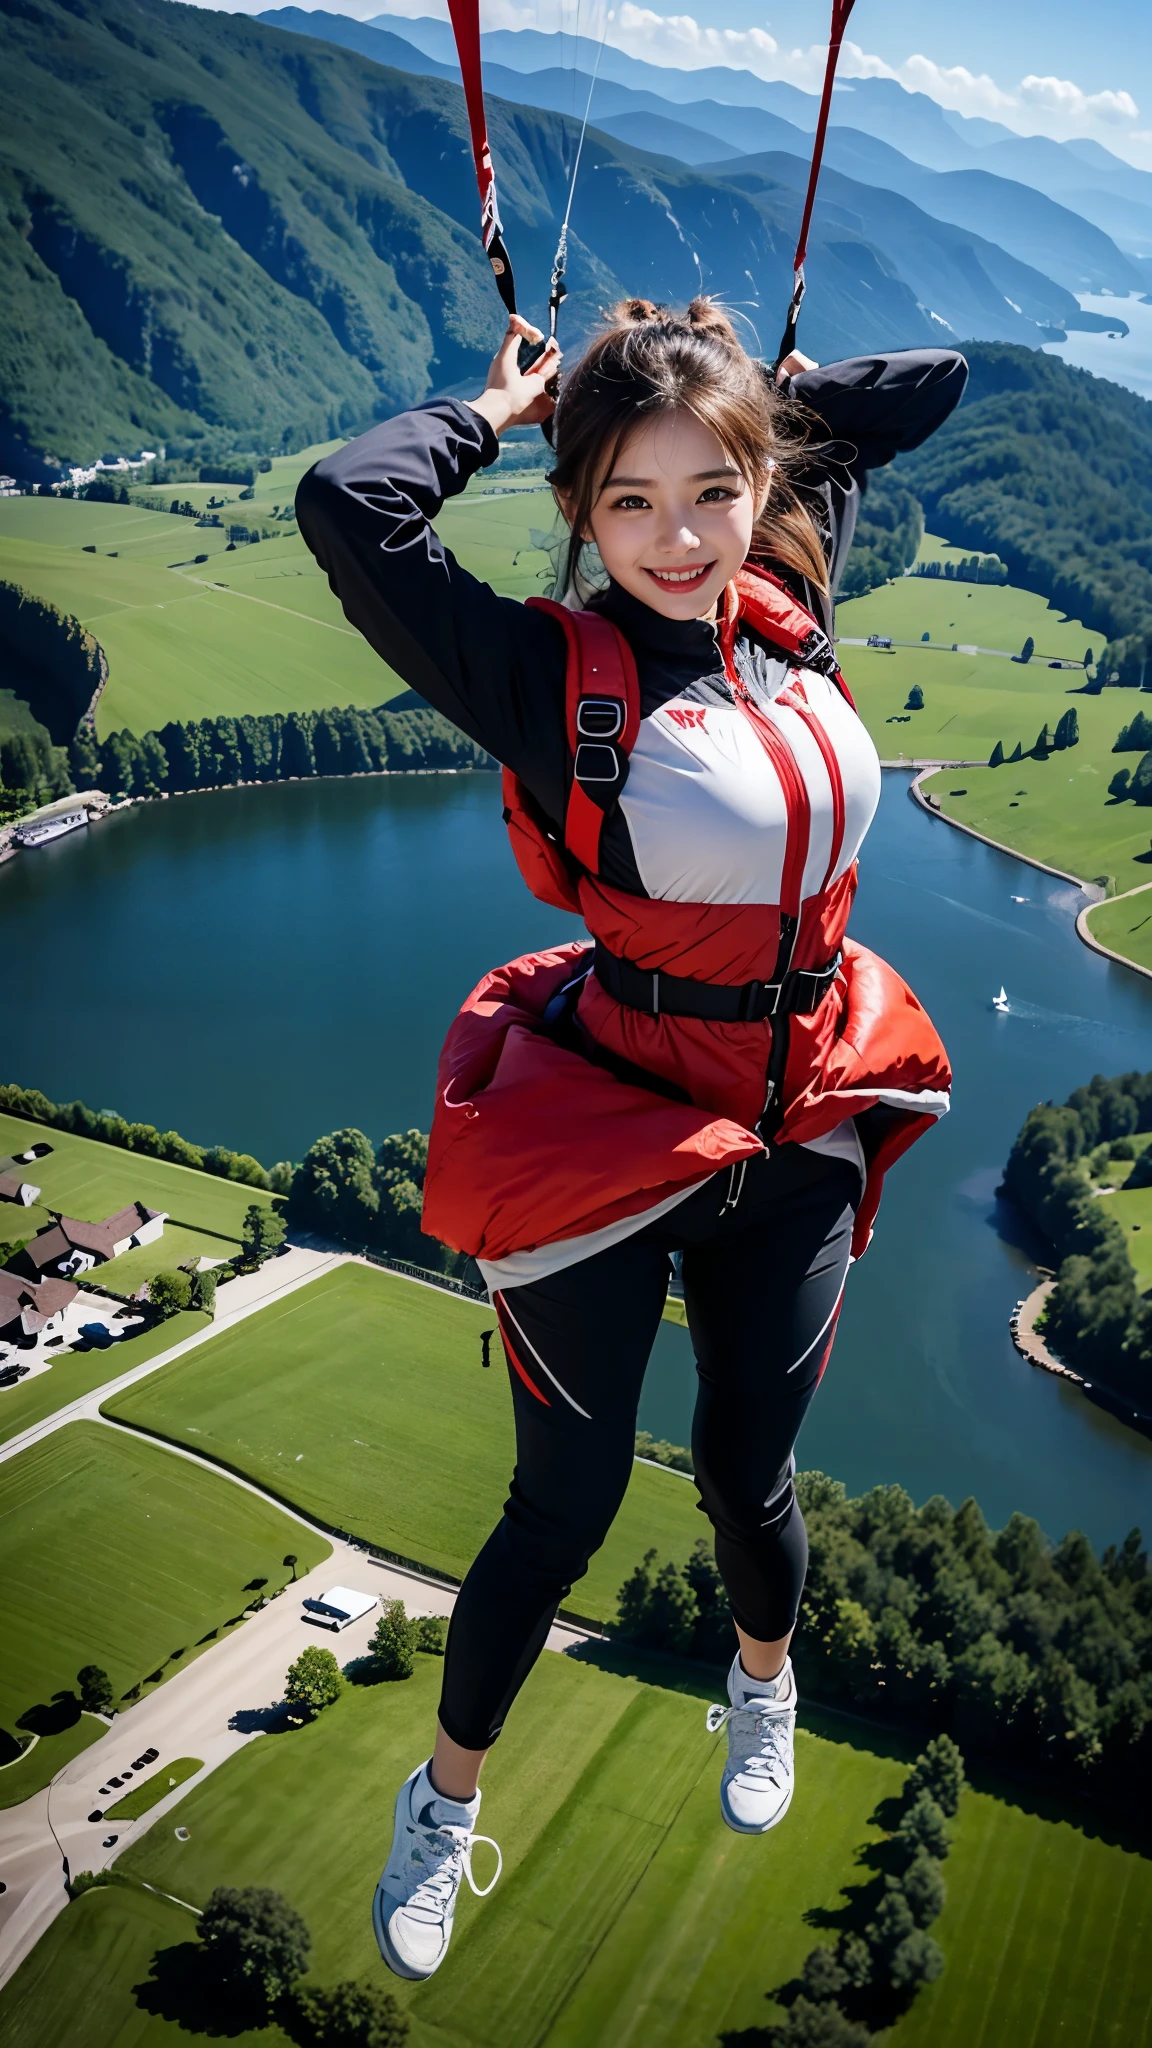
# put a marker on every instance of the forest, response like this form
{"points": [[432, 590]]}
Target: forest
{"points": [[213, 753], [1035, 1654], [1096, 1320], [1051, 469]]}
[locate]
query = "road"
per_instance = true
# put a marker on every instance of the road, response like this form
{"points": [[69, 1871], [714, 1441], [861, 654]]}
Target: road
{"points": [[216, 1705], [235, 1300]]}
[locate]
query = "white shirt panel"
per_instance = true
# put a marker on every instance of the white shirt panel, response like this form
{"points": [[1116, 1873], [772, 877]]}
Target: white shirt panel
{"points": [[705, 809]]}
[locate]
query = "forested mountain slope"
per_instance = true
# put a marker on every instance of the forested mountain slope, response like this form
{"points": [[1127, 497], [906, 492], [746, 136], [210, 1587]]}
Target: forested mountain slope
{"points": [[1051, 469], [218, 235]]}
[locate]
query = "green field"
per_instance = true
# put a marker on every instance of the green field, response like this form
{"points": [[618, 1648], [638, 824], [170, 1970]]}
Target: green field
{"points": [[114, 1552], [361, 1400], [627, 1913], [1057, 810], [83, 1178], [144, 1796], [49, 1754], [76, 1373], [1134, 1211], [252, 630], [1125, 927]]}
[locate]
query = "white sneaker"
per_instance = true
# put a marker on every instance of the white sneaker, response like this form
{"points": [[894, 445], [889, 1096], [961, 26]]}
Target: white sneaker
{"points": [[432, 1845], [759, 1776]]}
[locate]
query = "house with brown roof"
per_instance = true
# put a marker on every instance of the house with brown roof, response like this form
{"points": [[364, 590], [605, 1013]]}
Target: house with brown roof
{"points": [[32, 1308], [70, 1246], [13, 1186]]}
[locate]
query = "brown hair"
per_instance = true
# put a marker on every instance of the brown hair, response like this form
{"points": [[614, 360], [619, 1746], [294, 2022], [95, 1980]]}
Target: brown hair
{"points": [[650, 361]]}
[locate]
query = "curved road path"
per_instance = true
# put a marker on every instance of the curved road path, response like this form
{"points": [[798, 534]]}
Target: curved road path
{"points": [[217, 1704]]}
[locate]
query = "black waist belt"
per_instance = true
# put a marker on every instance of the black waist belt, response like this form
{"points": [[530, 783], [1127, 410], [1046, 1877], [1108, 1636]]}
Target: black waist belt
{"points": [[673, 995]]}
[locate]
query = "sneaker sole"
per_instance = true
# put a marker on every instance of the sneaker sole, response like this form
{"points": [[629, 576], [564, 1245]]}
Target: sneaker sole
{"points": [[738, 1828]]}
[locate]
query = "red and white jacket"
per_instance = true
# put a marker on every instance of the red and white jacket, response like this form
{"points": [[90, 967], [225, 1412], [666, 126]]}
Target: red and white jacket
{"points": [[746, 802], [726, 846]]}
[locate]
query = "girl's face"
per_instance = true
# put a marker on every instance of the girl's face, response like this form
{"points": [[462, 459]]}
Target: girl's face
{"points": [[673, 520]]}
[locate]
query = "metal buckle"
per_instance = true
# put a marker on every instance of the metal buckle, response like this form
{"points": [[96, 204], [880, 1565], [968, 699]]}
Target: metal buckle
{"points": [[599, 718]]}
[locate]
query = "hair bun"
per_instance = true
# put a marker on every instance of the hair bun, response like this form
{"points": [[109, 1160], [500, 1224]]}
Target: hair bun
{"points": [[637, 313], [708, 317]]}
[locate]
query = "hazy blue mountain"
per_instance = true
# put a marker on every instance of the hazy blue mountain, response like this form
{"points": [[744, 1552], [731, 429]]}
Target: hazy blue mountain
{"points": [[934, 136], [1027, 224], [381, 42], [966, 285], [664, 137], [1039, 230], [1128, 221]]}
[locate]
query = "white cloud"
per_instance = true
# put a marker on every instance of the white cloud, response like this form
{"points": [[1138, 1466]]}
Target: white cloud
{"points": [[1050, 106], [1060, 97]]}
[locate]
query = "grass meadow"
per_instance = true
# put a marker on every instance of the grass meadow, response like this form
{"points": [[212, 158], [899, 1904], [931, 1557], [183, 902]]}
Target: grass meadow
{"points": [[255, 629], [361, 1400], [1057, 810], [114, 1552], [627, 1913], [84, 1178], [1134, 1210], [1125, 926]]}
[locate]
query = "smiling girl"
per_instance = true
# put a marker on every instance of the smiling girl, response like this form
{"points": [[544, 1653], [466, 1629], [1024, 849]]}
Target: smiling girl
{"points": [[722, 1074]]}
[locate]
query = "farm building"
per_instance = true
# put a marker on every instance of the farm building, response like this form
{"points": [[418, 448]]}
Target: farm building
{"points": [[32, 1308], [70, 1246], [13, 1188]]}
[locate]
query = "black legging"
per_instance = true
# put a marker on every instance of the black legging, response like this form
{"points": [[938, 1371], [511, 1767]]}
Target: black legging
{"points": [[764, 1267]]}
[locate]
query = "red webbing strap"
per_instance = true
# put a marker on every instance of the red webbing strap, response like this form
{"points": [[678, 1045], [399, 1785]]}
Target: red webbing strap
{"points": [[600, 664], [466, 29], [770, 607], [841, 9], [792, 784]]}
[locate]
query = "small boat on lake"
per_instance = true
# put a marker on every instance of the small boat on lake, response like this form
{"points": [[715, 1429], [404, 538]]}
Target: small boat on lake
{"points": [[1000, 1002]]}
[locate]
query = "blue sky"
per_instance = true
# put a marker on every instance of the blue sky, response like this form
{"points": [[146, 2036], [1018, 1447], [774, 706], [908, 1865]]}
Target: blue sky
{"points": [[1051, 67]]}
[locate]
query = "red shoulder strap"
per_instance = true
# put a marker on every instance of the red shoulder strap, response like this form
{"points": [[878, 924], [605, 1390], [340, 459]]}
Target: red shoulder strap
{"points": [[770, 607], [603, 718]]}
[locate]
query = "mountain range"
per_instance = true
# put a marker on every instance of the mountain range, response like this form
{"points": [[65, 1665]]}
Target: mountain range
{"points": [[1081, 175], [221, 233]]}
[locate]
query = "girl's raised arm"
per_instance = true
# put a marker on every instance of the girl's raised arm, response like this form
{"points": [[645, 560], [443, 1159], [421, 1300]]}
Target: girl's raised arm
{"points": [[366, 512]]}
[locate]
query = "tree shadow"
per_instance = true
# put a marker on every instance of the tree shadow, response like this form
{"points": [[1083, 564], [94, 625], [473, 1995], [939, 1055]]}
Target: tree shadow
{"points": [[182, 1987], [52, 1717], [273, 1720]]}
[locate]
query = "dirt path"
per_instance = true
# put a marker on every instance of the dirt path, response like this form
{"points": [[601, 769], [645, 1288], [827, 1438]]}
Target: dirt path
{"points": [[1029, 1342]]}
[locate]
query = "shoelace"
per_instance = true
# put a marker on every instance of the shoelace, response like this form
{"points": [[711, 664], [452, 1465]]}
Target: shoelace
{"points": [[434, 1894], [769, 1725]]}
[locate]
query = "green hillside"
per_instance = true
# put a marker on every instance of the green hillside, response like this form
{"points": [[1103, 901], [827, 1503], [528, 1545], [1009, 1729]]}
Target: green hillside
{"points": [[220, 235], [252, 630], [1051, 469]]}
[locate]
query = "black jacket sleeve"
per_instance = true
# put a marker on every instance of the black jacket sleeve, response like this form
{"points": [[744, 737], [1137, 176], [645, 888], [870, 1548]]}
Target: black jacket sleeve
{"points": [[876, 407], [862, 412], [493, 667]]}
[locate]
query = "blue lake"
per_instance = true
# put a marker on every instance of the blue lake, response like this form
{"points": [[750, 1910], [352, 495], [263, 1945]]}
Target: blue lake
{"points": [[258, 966]]}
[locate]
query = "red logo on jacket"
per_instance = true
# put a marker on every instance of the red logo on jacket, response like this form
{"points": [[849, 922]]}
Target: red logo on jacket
{"points": [[691, 715]]}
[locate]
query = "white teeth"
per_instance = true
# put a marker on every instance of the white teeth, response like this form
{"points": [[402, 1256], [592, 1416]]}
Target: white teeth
{"points": [[676, 575]]}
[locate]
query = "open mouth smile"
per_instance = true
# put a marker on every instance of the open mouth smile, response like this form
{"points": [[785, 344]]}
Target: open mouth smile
{"points": [[681, 579]]}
